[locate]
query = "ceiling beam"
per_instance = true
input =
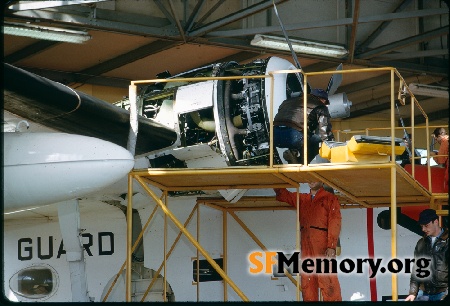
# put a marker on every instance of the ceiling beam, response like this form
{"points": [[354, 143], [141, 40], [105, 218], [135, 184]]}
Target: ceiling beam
{"points": [[377, 32], [251, 10], [194, 14], [68, 77], [365, 85], [404, 42], [437, 67], [415, 54], [177, 21], [102, 19], [30, 50], [330, 23], [384, 103], [142, 25], [352, 43], [434, 116], [378, 106], [241, 57], [165, 12], [210, 12], [320, 66], [125, 59]]}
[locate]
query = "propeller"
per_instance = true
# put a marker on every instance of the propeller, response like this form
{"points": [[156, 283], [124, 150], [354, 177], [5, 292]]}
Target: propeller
{"points": [[335, 81], [294, 55]]}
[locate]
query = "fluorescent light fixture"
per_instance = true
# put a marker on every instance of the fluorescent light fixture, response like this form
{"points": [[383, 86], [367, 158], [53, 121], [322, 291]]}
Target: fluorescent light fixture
{"points": [[36, 5], [428, 90], [299, 46], [47, 33]]}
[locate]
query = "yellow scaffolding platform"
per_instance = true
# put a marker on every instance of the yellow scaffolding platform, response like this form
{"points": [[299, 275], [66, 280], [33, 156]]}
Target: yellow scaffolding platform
{"points": [[354, 181]]}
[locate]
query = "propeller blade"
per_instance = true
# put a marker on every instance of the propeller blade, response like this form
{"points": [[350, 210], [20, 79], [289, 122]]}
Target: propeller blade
{"points": [[294, 55], [335, 81]]}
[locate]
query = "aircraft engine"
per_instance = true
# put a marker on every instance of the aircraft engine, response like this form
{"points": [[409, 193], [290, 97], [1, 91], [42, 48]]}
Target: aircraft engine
{"points": [[230, 117], [243, 118]]}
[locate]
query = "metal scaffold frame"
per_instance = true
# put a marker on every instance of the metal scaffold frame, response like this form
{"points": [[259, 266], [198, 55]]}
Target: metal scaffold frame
{"points": [[388, 177]]}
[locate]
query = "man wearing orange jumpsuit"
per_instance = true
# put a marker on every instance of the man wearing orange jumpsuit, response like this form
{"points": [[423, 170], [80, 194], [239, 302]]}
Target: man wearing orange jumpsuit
{"points": [[441, 137], [320, 226]]}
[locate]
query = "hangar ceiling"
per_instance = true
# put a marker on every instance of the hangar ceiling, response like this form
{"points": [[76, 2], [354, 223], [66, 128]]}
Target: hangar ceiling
{"points": [[137, 39]]}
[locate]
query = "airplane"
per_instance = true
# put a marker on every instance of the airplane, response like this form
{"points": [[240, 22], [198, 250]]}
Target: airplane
{"points": [[71, 247]]}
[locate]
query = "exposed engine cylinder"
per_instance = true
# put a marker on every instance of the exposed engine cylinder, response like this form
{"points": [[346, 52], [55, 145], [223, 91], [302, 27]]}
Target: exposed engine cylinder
{"points": [[230, 114]]}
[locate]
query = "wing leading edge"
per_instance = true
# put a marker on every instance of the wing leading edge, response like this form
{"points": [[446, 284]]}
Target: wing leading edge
{"points": [[64, 109]]}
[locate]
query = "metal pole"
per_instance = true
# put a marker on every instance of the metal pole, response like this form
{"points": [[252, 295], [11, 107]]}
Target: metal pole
{"points": [[271, 147], [294, 55], [298, 238], [165, 252], [394, 230], [305, 124], [393, 193], [192, 240], [413, 142], [129, 239], [186, 223], [225, 251], [134, 125], [132, 250], [430, 188], [198, 255]]}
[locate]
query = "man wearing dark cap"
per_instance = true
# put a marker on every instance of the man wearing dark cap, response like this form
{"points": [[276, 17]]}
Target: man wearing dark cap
{"points": [[288, 125], [433, 249]]}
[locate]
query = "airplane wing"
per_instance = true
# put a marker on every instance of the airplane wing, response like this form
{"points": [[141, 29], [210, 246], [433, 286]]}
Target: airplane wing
{"points": [[67, 110]]}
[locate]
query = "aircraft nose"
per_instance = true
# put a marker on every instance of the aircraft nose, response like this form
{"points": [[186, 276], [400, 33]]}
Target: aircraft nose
{"points": [[45, 168]]}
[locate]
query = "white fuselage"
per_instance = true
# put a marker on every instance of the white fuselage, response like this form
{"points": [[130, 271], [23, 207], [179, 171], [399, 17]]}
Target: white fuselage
{"points": [[45, 168], [104, 238]]}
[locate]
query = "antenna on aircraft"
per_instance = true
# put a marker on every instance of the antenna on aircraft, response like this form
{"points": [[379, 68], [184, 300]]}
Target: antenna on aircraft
{"points": [[294, 55], [404, 130], [335, 80]]}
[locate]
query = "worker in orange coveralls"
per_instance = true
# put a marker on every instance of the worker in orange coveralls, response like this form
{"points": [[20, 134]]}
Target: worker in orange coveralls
{"points": [[441, 137], [320, 226]]}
